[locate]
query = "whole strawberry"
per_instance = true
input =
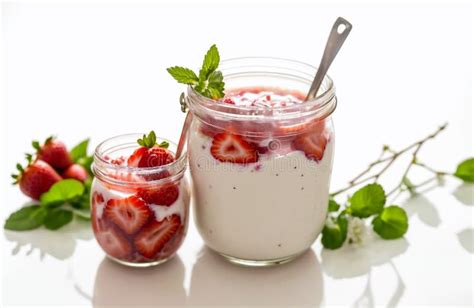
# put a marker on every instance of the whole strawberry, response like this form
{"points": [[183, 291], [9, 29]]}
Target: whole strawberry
{"points": [[75, 171], [36, 179], [150, 153], [54, 152]]}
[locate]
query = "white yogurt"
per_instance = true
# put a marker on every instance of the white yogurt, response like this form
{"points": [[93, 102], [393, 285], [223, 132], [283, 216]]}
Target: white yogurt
{"points": [[271, 209], [160, 211]]}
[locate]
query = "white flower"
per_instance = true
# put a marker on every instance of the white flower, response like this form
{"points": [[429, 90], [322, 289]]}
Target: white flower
{"points": [[357, 232]]}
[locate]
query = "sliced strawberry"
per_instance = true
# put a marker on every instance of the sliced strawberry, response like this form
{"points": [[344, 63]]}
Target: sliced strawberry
{"points": [[156, 157], [173, 244], [136, 157], [314, 127], [313, 145], [124, 176], [155, 235], [113, 243], [227, 147], [129, 214], [119, 161], [97, 198], [162, 195]]}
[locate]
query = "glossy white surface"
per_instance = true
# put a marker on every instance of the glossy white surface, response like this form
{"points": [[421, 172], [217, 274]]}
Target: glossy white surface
{"points": [[404, 70]]}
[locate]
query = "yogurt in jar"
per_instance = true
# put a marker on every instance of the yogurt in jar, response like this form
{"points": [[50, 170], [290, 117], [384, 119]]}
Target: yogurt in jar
{"points": [[260, 189]]}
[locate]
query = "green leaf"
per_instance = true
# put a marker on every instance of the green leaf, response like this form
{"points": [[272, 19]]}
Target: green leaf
{"points": [[80, 150], [334, 232], [86, 162], [333, 206], [392, 223], [27, 218], [465, 170], [61, 192], [36, 145], [148, 141], [164, 144], [367, 201], [183, 75], [57, 218], [210, 63]]}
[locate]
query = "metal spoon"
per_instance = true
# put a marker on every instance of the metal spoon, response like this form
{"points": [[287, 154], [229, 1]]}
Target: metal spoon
{"points": [[339, 32]]}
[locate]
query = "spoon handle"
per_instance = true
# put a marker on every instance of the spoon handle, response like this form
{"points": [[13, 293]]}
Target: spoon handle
{"points": [[336, 39]]}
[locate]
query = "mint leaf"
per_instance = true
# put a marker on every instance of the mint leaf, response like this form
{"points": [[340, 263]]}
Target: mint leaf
{"points": [[210, 63], [334, 232], [333, 206], [79, 151], [392, 223], [62, 192], [57, 218], [465, 170], [27, 218], [183, 75], [210, 82], [367, 201]]}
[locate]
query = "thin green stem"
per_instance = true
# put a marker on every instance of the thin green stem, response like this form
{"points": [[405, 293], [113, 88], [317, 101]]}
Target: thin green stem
{"points": [[389, 160]]}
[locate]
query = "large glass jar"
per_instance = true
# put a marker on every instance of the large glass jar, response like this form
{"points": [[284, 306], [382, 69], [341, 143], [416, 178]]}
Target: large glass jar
{"points": [[139, 215], [270, 207]]}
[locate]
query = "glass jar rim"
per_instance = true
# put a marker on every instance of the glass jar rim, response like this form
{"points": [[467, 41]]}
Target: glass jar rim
{"points": [[323, 105], [100, 163]]}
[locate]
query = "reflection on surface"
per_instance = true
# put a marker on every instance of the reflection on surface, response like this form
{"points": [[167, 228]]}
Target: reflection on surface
{"points": [[424, 209], [59, 244], [119, 285], [349, 261], [465, 193], [466, 238], [215, 281]]}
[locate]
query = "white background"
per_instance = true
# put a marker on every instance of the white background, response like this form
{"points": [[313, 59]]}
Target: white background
{"points": [[98, 70]]}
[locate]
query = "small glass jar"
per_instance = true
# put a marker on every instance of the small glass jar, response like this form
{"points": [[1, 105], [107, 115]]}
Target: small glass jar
{"points": [[270, 209], [139, 215]]}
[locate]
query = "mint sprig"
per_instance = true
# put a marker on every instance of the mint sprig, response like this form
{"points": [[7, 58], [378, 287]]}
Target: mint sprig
{"points": [[344, 223], [209, 82]]}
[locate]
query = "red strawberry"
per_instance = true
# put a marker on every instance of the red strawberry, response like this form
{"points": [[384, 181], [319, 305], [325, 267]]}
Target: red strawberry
{"points": [[130, 214], [36, 179], [156, 157], [113, 243], [150, 154], [155, 235], [75, 171], [227, 147], [163, 195], [314, 127], [313, 145], [172, 246], [136, 157], [130, 181], [54, 152], [119, 161]]}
